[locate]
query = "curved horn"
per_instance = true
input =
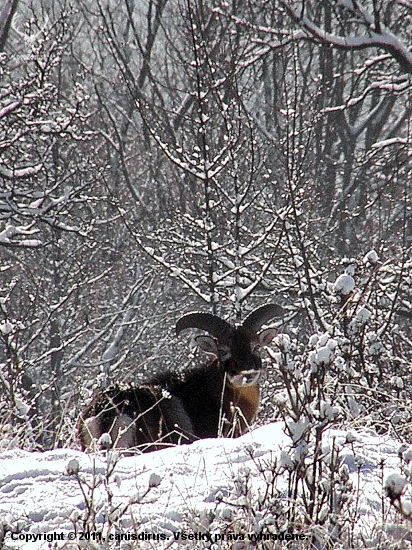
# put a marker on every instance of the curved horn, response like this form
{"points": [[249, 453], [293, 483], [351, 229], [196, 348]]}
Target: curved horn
{"points": [[262, 315], [205, 321]]}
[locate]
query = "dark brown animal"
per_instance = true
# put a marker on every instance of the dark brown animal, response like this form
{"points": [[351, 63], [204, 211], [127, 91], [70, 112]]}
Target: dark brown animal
{"points": [[220, 398]]}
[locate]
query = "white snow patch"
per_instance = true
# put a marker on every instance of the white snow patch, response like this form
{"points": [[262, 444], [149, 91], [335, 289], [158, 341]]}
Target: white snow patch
{"points": [[363, 315], [344, 284], [159, 492], [371, 257], [321, 356], [395, 485]]}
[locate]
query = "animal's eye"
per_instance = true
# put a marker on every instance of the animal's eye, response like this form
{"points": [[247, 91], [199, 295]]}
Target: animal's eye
{"points": [[232, 364]]}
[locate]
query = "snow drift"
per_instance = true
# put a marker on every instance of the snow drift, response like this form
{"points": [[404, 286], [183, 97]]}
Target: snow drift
{"points": [[169, 497]]}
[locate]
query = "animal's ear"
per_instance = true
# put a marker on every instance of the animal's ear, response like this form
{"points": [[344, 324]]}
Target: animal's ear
{"points": [[207, 344], [266, 336]]}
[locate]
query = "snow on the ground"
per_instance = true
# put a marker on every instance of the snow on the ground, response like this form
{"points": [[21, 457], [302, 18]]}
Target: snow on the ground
{"points": [[38, 496]]}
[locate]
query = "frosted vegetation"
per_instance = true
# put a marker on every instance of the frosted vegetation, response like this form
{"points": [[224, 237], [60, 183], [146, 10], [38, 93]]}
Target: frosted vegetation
{"points": [[158, 157], [216, 493]]}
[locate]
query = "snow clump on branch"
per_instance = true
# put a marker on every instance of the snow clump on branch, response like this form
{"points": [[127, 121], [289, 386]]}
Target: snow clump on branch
{"points": [[344, 284]]}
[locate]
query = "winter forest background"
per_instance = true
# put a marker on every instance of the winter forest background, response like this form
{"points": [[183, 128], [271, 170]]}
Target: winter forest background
{"points": [[160, 156]]}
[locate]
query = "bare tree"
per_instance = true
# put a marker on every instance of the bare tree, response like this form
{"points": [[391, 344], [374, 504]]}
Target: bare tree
{"points": [[6, 17]]}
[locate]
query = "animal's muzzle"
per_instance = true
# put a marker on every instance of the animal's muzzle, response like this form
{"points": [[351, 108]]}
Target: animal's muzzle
{"points": [[245, 378]]}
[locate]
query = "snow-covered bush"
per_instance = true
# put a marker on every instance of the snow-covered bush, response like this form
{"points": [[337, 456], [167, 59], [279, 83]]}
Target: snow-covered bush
{"points": [[337, 376]]}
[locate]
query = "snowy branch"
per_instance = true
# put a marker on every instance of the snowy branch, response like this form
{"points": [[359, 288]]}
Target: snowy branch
{"points": [[17, 236], [380, 37], [20, 172]]}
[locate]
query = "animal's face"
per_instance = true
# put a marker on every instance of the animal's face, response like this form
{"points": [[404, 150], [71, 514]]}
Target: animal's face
{"points": [[239, 353]]}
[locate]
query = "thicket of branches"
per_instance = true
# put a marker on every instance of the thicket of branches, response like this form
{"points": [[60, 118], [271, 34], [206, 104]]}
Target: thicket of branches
{"points": [[168, 155]]}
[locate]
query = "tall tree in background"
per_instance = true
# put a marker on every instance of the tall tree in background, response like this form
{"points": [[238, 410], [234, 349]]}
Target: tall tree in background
{"points": [[193, 110], [6, 16]]}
